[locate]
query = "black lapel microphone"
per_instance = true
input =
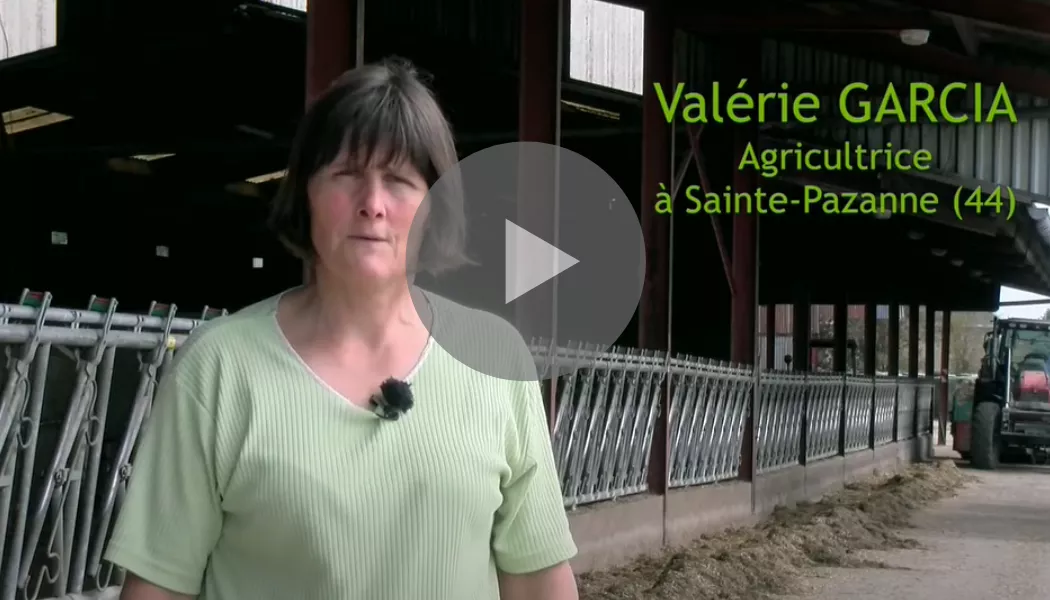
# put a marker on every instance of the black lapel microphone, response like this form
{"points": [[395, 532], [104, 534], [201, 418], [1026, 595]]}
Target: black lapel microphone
{"points": [[393, 400]]}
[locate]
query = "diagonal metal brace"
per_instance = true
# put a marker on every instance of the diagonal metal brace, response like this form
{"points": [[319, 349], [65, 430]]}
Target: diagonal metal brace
{"points": [[696, 157]]}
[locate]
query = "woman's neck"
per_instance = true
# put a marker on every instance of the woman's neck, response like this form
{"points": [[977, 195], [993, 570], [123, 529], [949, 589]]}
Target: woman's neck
{"points": [[344, 313]]}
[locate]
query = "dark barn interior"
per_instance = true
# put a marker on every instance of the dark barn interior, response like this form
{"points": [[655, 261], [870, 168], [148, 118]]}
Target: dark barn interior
{"points": [[157, 187], [173, 110], [139, 156]]}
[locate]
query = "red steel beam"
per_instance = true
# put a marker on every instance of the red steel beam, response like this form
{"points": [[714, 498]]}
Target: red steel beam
{"points": [[744, 265], [656, 171], [334, 42], [538, 91], [1020, 14], [744, 302], [653, 309], [539, 101]]}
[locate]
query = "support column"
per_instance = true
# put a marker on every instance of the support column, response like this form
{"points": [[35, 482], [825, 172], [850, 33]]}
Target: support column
{"points": [[771, 337], [744, 267], [539, 111], [658, 67], [654, 308], [893, 357], [335, 42], [539, 93], [913, 341], [745, 275], [747, 56], [840, 320], [893, 340], [931, 342], [871, 313], [800, 332], [942, 412], [931, 363]]}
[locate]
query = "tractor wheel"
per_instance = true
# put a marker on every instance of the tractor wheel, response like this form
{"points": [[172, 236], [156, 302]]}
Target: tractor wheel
{"points": [[984, 436]]}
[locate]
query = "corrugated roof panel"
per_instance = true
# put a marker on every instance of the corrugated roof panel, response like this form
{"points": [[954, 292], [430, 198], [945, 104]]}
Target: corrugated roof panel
{"points": [[606, 40], [27, 26], [299, 5], [997, 153], [606, 43]]}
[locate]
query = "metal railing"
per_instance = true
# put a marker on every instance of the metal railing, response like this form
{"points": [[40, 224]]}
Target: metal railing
{"points": [[606, 408], [78, 385], [709, 406]]}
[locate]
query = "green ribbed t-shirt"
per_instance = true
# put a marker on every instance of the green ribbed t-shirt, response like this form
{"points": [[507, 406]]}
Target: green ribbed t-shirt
{"points": [[257, 481]]}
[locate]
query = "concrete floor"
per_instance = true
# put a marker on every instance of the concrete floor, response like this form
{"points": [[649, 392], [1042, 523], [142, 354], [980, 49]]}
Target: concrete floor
{"points": [[990, 541]]}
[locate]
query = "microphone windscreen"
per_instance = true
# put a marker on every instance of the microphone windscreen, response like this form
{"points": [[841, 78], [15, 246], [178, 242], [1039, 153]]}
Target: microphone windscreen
{"points": [[397, 394]]}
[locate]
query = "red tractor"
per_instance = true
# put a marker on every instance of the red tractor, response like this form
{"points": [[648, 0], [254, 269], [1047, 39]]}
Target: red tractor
{"points": [[1010, 416]]}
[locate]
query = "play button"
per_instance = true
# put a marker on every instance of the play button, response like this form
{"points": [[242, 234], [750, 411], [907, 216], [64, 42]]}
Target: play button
{"points": [[557, 259], [530, 262]]}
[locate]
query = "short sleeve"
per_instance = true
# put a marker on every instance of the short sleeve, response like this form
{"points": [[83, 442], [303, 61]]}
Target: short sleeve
{"points": [[531, 531], [171, 517]]}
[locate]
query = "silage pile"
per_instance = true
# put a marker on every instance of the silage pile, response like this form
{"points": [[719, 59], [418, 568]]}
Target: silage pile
{"points": [[772, 558]]}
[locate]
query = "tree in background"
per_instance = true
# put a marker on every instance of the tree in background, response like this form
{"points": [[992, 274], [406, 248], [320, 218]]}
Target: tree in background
{"points": [[967, 341], [966, 346]]}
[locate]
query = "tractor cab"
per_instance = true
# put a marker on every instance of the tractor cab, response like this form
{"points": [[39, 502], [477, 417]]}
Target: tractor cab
{"points": [[1011, 403], [1024, 376]]}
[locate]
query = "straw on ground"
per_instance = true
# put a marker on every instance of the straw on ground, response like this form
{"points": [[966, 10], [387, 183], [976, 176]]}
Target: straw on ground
{"points": [[771, 559]]}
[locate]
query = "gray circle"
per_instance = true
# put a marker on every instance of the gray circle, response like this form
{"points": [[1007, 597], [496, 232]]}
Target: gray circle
{"points": [[520, 234]]}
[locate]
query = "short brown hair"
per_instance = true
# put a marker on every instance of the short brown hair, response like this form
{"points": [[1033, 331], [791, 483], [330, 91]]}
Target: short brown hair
{"points": [[382, 107]]}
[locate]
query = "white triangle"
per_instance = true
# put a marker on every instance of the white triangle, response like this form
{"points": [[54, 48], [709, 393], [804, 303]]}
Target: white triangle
{"points": [[530, 262]]}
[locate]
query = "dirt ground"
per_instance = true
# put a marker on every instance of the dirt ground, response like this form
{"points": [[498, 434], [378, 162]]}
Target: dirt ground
{"points": [[778, 556], [938, 532], [992, 540]]}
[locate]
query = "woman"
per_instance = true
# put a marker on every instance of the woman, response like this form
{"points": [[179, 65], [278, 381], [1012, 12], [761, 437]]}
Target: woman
{"points": [[266, 471]]}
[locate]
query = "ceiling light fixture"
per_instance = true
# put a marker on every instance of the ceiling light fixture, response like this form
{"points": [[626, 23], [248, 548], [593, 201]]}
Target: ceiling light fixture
{"points": [[914, 37], [267, 177], [28, 118]]}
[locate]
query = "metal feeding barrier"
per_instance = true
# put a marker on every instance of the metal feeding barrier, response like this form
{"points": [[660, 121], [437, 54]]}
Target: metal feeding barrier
{"points": [[78, 386]]}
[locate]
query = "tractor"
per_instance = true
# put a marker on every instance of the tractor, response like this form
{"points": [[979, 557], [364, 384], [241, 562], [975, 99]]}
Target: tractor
{"points": [[1009, 414]]}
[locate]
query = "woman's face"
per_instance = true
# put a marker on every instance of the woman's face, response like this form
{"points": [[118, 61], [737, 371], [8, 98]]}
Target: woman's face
{"points": [[361, 217]]}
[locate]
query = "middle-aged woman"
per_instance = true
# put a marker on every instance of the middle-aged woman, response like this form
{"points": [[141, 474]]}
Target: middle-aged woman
{"points": [[264, 471]]}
